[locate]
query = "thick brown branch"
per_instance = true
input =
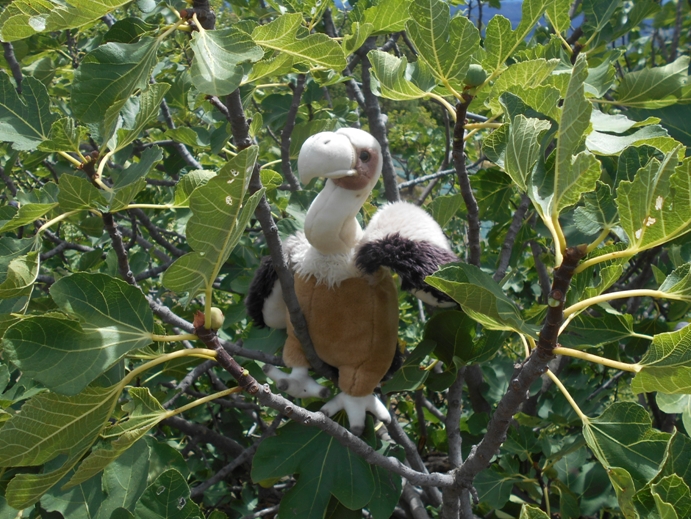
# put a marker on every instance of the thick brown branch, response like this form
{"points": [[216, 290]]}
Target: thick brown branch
{"points": [[525, 374], [305, 417], [242, 139], [464, 182]]}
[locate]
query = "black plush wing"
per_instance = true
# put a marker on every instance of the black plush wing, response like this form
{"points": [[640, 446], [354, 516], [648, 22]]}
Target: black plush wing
{"points": [[263, 283], [412, 260]]}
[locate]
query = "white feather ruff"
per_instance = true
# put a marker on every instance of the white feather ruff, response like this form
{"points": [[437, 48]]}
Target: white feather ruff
{"points": [[408, 220], [329, 269]]}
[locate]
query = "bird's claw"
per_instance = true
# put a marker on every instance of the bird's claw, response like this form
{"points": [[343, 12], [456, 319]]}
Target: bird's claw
{"points": [[356, 407], [297, 383]]}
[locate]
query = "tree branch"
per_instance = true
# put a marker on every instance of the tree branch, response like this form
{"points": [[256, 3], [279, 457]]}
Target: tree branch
{"points": [[305, 417], [240, 132], [525, 374], [377, 127], [244, 457], [507, 246], [180, 147], [202, 434], [287, 132], [155, 233], [451, 495], [15, 67], [119, 248], [464, 182]]}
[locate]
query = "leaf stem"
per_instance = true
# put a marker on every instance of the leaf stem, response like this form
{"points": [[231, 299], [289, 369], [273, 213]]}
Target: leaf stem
{"points": [[444, 102], [605, 257], [146, 206], [559, 35], [480, 126], [70, 158], [207, 304], [624, 294], [623, 366], [231, 153], [200, 401], [57, 219], [601, 237], [99, 171], [174, 338], [277, 161], [173, 27], [567, 395], [195, 352], [475, 130]]}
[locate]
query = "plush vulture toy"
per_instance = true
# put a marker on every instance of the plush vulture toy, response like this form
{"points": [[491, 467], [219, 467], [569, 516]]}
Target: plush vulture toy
{"points": [[343, 276]]}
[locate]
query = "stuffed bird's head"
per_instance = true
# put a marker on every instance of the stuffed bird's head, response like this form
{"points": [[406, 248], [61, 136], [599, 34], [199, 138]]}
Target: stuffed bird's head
{"points": [[351, 158]]}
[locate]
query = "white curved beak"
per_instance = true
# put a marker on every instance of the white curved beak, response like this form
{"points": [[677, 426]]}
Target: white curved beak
{"points": [[328, 155]]}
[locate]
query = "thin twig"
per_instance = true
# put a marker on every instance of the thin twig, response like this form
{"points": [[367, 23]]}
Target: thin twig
{"points": [[507, 246], [542, 274], [180, 147], [242, 458], [287, 132], [119, 248], [202, 434], [155, 233], [674, 47]]}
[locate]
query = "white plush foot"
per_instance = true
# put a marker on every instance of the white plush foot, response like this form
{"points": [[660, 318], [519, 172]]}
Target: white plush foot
{"points": [[356, 407], [298, 383]]}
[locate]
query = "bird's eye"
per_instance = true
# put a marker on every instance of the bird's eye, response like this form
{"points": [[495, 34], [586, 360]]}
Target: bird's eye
{"points": [[365, 156]]}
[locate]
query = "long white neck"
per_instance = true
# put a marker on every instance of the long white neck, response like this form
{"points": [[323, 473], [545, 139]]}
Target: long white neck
{"points": [[330, 225]]}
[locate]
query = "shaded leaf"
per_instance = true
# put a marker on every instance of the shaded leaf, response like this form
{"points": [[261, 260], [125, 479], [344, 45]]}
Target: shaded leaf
{"points": [[25, 120], [67, 424], [480, 297], [623, 437], [114, 318], [167, 498]]}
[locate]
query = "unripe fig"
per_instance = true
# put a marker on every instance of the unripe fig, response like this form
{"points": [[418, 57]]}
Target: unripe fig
{"points": [[476, 75], [217, 318]]}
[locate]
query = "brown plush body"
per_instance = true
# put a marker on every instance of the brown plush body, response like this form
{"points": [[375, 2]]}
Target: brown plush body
{"points": [[353, 326]]}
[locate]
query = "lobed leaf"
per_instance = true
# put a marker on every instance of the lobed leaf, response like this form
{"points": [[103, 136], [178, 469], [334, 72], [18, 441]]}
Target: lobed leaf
{"points": [[219, 218], [656, 206], [656, 87], [24, 18], [168, 497], [667, 364], [108, 76], [50, 425], [218, 55], [622, 437], [282, 34], [446, 44], [66, 355]]}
